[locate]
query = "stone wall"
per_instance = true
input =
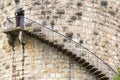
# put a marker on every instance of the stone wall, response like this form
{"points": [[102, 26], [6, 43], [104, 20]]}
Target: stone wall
{"points": [[41, 62], [94, 24]]}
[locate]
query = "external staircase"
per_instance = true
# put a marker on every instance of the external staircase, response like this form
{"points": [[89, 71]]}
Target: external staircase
{"points": [[91, 62]]}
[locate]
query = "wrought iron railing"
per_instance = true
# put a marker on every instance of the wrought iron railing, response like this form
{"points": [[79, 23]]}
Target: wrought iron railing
{"points": [[75, 47]]}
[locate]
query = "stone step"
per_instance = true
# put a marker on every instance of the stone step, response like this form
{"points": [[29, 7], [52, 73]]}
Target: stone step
{"points": [[92, 70], [60, 47], [64, 50], [97, 72], [68, 53], [55, 45], [77, 58], [89, 67], [37, 29], [51, 43], [81, 60], [104, 78], [46, 40], [85, 64], [100, 75], [73, 55]]}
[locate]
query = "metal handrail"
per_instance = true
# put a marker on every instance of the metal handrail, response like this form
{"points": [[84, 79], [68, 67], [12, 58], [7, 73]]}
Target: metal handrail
{"points": [[75, 42], [72, 41]]}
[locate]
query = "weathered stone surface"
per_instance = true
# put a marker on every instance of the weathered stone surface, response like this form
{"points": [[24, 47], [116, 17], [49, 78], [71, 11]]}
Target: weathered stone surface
{"points": [[60, 11], [79, 4], [73, 18], [104, 2], [112, 12], [98, 29], [69, 35], [79, 13]]}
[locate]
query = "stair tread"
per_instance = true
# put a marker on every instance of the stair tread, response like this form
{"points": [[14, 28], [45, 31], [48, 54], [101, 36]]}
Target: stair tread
{"points": [[73, 55], [93, 69], [77, 59], [64, 50], [55, 45], [60, 46], [69, 52], [100, 75], [89, 66], [104, 78], [82, 60], [51, 42], [97, 72], [85, 64]]}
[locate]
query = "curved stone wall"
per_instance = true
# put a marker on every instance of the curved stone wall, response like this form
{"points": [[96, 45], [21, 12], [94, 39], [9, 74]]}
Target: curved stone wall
{"points": [[95, 24]]}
